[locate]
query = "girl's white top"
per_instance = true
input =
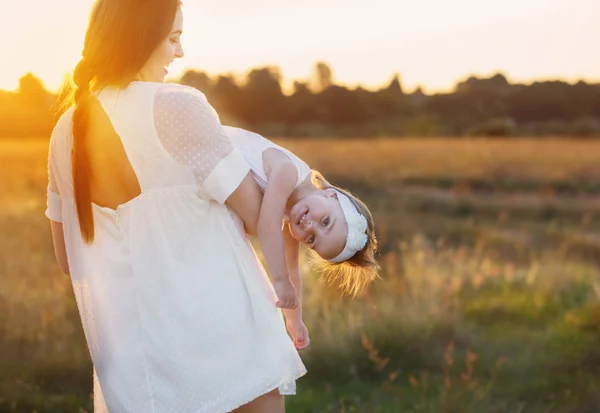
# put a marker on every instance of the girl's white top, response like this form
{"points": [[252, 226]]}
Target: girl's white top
{"points": [[177, 310], [253, 145]]}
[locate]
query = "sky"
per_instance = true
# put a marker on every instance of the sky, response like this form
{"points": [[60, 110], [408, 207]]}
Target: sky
{"points": [[430, 43]]}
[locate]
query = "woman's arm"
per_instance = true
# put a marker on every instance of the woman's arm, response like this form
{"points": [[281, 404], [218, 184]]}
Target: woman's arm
{"points": [[54, 200], [246, 202], [60, 250]]}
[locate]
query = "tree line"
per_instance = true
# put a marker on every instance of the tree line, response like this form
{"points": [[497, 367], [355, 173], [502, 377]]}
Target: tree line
{"points": [[319, 107]]}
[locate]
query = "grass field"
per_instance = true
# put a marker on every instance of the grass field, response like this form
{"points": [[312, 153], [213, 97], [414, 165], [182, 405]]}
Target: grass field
{"points": [[539, 161], [489, 300]]}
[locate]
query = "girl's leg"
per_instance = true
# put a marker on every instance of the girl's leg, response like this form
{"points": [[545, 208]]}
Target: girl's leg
{"points": [[271, 402]]}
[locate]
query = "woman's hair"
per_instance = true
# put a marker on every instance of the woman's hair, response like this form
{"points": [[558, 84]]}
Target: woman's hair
{"points": [[120, 38], [355, 274]]}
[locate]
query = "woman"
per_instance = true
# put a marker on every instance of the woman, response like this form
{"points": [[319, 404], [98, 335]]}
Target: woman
{"points": [[148, 201]]}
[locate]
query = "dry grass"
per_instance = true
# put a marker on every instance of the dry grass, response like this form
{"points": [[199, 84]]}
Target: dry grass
{"points": [[479, 314], [387, 160]]}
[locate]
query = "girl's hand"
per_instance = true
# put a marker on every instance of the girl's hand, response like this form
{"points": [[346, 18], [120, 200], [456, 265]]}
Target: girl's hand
{"points": [[286, 294], [299, 334]]}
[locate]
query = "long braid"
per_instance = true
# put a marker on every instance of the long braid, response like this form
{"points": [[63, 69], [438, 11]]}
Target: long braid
{"points": [[121, 37], [82, 77]]}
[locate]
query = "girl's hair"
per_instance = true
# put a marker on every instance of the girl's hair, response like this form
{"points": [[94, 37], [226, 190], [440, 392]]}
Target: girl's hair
{"points": [[120, 38], [355, 274]]}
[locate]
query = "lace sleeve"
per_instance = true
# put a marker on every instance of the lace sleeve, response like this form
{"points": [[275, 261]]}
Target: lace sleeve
{"points": [[190, 131]]}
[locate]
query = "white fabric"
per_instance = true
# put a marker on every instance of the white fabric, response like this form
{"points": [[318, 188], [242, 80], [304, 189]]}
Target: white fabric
{"points": [[177, 310], [253, 145], [54, 210], [357, 238]]}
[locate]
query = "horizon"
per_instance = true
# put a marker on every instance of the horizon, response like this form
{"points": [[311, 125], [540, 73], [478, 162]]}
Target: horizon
{"points": [[288, 83]]}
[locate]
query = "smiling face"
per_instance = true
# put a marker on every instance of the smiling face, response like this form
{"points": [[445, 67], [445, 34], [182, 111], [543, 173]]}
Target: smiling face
{"points": [[156, 68], [318, 222]]}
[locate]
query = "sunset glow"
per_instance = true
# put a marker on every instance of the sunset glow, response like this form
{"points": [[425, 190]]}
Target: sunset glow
{"points": [[433, 43]]}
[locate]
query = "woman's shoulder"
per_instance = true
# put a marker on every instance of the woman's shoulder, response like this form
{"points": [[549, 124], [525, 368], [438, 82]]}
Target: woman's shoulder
{"points": [[176, 90], [66, 118], [182, 101], [63, 128], [181, 98], [164, 91], [60, 143]]}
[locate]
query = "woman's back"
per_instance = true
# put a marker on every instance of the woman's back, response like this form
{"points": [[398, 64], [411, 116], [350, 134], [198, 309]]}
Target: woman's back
{"points": [[177, 310]]}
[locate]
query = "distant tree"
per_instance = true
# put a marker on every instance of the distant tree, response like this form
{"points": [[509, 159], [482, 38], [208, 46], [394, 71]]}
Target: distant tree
{"points": [[344, 106], [303, 105], [301, 88], [198, 80], [265, 80], [542, 101], [322, 77], [225, 95], [388, 102], [32, 92], [395, 87], [263, 98]]}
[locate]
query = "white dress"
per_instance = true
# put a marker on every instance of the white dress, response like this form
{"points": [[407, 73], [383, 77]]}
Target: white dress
{"points": [[253, 145], [177, 310]]}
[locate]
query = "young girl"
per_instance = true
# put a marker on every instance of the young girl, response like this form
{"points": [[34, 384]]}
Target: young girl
{"points": [[334, 224]]}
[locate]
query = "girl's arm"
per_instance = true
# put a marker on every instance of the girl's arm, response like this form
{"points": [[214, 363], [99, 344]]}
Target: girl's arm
{"points": [[292, 252], [281, 182], [293, 318]]}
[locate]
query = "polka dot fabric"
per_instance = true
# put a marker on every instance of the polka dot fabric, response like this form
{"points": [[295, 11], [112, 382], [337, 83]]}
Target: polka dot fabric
{"points": [[190, 131]]}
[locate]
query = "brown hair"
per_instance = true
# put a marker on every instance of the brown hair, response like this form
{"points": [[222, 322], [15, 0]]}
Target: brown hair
{"points": [[120, 38], [355, 274]]}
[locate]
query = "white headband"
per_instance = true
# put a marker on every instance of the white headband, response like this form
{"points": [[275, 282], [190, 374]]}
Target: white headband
{"points": [[357, 227]]}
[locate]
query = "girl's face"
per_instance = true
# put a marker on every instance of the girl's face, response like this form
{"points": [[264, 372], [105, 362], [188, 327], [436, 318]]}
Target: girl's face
{"points": [[318, 222], [170, 49]]}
